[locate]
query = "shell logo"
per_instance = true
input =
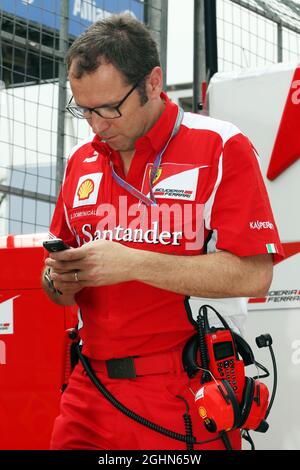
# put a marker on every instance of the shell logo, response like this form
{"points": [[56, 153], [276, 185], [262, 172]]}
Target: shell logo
{"points": [[202, 412], [85, 189]]}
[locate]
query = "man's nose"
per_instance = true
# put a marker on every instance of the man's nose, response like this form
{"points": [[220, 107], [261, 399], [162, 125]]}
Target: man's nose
{"points": [[98, 123]]}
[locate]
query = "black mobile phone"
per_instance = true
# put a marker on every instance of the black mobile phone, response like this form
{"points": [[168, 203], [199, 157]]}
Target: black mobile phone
{"points": [[55, 244]]}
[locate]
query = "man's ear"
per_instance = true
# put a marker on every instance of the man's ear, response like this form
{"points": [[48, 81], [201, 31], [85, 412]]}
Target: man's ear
{"points": [[154, 84]]}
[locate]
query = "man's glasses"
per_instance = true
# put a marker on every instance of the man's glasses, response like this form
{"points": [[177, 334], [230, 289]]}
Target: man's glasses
{"points": [[106, 112]]}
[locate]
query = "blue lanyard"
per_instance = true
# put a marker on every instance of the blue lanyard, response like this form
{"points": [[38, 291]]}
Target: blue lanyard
{"points": [[149, 201]]}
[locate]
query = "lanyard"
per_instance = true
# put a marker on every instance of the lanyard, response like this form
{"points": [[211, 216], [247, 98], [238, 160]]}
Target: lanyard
{"points": [[149, 201]]}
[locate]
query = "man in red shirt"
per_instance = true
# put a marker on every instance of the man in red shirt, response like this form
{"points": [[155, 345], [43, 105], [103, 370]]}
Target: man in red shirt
{"points": [[164, 211]]}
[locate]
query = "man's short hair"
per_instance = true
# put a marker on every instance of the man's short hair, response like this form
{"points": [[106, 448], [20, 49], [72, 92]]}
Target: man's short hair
{"points": [[121, 40]]}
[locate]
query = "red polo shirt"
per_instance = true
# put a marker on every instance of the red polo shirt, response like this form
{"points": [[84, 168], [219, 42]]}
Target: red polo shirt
{"points": [[210, 197]]}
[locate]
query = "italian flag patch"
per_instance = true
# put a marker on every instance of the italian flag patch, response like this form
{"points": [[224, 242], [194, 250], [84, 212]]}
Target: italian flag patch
{"points": [[271, 248]]}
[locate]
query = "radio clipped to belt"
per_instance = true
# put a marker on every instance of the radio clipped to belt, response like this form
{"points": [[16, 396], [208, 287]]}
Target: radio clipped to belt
{"points": [[227, 399]]}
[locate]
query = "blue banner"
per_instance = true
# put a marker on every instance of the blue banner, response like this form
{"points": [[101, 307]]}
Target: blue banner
{"points": [[82, 13]]}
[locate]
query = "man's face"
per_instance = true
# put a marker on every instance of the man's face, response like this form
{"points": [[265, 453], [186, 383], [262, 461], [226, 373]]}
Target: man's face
{"points": [[106, 87]]}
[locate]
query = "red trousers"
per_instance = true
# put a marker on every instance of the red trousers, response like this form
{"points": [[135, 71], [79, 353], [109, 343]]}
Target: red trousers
{"points": [[87, 420]]}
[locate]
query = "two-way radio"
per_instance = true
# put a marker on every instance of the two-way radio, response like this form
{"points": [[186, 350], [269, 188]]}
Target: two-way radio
{"points": [[227, 399]]}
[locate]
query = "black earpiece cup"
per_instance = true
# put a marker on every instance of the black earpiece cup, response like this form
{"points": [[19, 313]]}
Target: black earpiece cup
{"points": [[235, 404], [189, 356], [247, 399]]}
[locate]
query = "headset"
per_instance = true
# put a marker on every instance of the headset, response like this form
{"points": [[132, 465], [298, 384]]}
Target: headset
{"points": [[221, 405], [227, 399]]}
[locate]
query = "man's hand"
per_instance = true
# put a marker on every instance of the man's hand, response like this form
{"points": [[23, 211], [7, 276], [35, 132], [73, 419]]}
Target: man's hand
{"points": [[215, 275], [66, 288], [97, 263]]}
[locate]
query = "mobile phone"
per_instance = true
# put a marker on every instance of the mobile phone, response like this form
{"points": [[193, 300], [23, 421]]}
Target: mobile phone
{"points": [[223, 360], [55, 244]]}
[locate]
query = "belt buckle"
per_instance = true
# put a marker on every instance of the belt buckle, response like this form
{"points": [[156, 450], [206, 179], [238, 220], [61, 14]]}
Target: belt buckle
{"points": [[121, 368]]}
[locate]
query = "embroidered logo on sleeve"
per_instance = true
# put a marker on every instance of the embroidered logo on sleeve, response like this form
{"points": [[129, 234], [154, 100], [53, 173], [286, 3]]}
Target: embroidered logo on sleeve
{"points": [[87, 190], [91, 159], [271, 248], [261, 224]]}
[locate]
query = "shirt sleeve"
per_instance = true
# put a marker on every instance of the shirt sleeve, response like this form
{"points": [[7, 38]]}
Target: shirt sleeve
{"points": [[241, 214], [59, 225]]}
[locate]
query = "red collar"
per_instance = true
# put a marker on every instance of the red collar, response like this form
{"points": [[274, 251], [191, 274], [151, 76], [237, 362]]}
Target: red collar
{"points": [[157, 136]]}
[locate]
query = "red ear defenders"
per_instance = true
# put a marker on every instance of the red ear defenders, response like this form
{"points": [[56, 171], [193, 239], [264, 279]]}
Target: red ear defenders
{"points": [[220, 410], [216, 401]]}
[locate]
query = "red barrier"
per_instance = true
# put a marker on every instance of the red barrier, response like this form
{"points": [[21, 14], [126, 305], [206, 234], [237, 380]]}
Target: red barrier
{"points": [[32, 350]]}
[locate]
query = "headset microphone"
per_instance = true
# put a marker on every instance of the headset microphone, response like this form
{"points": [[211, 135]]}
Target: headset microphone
{"points": [[227, 399]]}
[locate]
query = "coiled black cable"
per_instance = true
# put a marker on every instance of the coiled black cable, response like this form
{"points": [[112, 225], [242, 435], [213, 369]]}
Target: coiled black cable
{"points": [[189, 439], [188, 430], [131, 414], [187, 423], [203, 348]]}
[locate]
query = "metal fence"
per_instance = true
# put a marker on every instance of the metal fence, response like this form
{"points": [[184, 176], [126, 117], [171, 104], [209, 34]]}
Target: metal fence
{"points": [[250, 34], [35, 133], [256, 33]]}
